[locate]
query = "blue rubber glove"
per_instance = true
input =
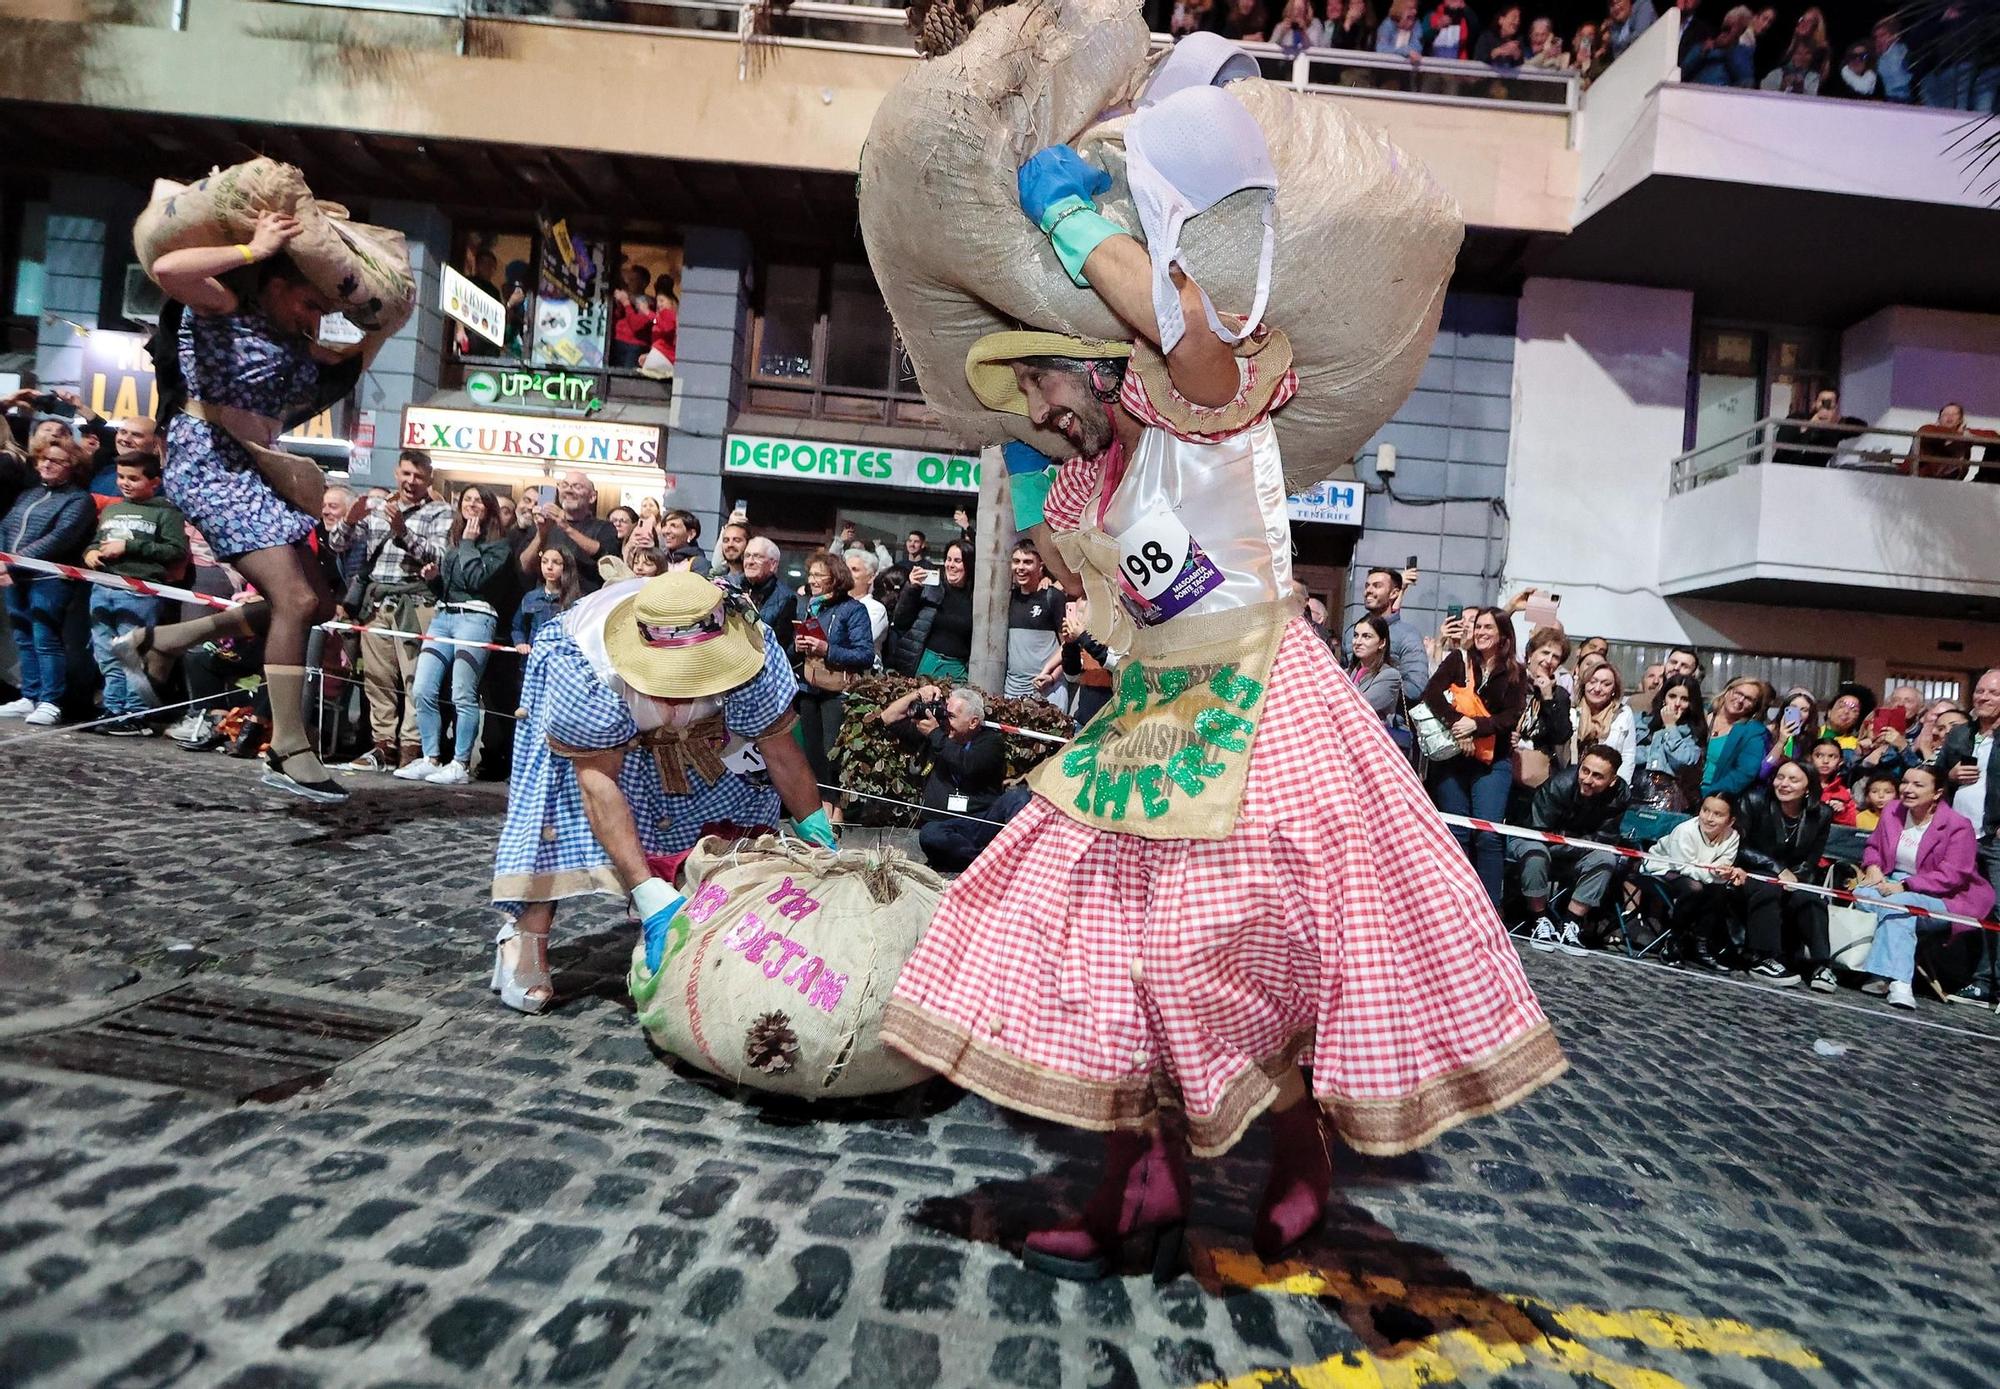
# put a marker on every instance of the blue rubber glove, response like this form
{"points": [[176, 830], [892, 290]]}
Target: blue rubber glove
{"points": [[1056, 189], [1028, 481], [816, 829], [1053, 175], [661, 919]]}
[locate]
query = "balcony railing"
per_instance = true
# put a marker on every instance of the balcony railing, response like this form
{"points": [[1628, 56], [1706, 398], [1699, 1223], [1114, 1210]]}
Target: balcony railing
{"points": [[874, 29], [1855, 447]]}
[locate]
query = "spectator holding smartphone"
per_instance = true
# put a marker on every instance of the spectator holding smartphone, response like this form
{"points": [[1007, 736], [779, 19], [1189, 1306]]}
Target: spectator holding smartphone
{"points": [[1736, 738], [933, 618], [833, 644], [468, 581], [545, 604], [1477, 692], [140, 536]]}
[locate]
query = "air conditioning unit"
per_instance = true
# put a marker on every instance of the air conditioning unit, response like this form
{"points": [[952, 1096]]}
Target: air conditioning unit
{"points": [[143, 298]]}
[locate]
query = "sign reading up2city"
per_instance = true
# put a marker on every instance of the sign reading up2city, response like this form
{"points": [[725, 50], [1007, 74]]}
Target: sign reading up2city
{"points": [[530, 438], [758, 456]]}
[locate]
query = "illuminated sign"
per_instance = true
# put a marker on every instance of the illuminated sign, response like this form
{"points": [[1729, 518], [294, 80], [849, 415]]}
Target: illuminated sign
{"points": [[530, 438], [807, 459]]}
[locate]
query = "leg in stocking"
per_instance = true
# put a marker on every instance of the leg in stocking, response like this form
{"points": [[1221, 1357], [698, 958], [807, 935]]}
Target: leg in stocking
{"points": [[297, 597], [168, 642], [1301, 1171]]}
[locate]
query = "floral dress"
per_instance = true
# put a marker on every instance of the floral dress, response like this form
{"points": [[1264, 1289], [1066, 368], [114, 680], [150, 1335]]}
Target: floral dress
{"points": [[241, 360]]}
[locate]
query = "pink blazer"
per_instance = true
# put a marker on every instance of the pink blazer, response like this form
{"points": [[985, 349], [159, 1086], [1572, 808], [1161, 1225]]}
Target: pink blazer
{"points": [[1947, 860]]}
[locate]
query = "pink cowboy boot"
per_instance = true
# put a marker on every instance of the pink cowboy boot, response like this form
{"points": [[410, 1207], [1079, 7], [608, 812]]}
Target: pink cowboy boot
{"points": [[1143, 1194]]}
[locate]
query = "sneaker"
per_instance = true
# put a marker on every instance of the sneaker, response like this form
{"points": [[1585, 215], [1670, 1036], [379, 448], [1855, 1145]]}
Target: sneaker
{"points": [[1545, 937], [131, 728], [1974, 993], [369, 761], [1572, 939], [1774, 972], [419, 770], [17, 708], [187, 728], [1875, 988], [1900, 995], [1823, 981], [45, 715], [450, 774]]}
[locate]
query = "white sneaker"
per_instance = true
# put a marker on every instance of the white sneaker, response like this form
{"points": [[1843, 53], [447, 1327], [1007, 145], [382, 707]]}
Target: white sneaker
{"points": [[187, 729], [1572, 939], [450, 774], [45, 715], [1545, 937], [1900, 995], [17, 708], [419, 770], [1876, 988]]}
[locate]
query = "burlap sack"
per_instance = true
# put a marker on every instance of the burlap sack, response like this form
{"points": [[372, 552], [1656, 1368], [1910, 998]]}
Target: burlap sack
{"points": [[787, 963], [364, 269], [1366, 238]]}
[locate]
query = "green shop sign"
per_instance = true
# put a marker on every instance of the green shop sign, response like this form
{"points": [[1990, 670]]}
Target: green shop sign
{"points": [[573, 392], [756, 455]]}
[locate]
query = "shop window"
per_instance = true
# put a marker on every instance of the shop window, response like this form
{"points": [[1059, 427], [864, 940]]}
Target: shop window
{"points": [[502, 264], [822, 344]]}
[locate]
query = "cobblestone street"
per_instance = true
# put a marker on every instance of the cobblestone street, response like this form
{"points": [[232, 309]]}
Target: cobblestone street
{"points": [[485, 1199]]}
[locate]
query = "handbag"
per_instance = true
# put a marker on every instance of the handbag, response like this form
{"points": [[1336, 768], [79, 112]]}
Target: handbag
{"points": [[1659, 791], [356, 596], [1434, 740], [822, 676]]}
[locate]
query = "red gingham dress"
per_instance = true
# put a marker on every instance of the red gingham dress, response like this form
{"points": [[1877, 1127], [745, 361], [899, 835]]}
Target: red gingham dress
{"points": [[1088, 976]]}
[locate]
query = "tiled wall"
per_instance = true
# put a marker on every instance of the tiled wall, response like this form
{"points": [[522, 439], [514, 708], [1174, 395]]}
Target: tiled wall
{"points": [[1450, 439]]}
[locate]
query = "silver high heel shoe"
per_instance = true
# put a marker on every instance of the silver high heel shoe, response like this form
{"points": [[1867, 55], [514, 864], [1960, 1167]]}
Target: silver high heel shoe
{"points": [[518, 986]]}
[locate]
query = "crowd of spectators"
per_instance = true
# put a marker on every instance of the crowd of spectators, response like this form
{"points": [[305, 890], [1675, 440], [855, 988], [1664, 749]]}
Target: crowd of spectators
{"points": [[1924, 61], [1744, 793]]}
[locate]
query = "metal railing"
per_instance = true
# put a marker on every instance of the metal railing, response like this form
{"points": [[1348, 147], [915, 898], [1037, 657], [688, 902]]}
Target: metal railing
{"points": [[877, 29], [1927, 452]]}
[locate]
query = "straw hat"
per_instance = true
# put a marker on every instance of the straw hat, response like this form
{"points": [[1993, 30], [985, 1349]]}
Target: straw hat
{"points": [[989, 371], [674, 638]]}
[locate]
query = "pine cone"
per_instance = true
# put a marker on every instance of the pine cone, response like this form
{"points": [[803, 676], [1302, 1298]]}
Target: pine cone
{"points": [[771, 1046]]}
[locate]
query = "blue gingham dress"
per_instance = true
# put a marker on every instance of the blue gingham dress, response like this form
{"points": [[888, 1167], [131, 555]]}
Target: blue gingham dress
{"points": [[238, 359], [547, 851]]}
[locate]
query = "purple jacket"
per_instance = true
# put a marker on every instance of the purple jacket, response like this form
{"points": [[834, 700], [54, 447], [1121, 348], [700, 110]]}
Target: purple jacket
{"points": [[1947, 860]]}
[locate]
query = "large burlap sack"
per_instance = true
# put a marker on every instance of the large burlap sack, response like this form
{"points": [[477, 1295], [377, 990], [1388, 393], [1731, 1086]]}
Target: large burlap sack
{"points": [[1366, 238], [789, 956], [364, 269]]}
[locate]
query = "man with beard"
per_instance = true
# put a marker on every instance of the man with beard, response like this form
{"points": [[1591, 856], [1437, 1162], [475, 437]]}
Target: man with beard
{"points": [[728, 567]]}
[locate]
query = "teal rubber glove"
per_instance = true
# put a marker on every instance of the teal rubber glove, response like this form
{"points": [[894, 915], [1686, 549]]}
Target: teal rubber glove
{"points": [[1056, 188], [816, 829], [658, 906], [1028, 481]]}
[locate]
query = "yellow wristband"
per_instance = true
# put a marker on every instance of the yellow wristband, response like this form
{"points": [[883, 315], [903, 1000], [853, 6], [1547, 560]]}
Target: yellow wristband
{"points": [[249, 256]]}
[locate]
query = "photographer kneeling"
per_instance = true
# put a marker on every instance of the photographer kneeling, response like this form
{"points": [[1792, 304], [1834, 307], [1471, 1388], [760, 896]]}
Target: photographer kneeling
{"points": [[968, 764]]}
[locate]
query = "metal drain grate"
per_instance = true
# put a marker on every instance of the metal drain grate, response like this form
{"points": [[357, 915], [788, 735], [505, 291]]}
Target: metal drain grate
{"points": [[244, 1043]]}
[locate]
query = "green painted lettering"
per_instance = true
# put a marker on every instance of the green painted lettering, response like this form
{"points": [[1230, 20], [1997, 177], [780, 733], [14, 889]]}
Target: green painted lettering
{"points": [[1112, 791], [1187, 767], [1172, 681], [1152, 795], [1132, 692], [1231, 688], [1224, 729]]}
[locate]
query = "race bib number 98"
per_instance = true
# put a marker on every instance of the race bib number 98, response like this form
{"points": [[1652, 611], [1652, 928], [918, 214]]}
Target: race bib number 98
{"points": [[1162, 568]]}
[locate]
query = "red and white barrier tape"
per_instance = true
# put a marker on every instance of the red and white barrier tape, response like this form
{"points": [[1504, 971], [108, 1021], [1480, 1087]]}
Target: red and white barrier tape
{"points": [[139, 586], [1831, 893]]}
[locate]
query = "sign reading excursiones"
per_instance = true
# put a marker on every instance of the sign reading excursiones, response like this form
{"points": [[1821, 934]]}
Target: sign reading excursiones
{"points": [[529, 437]]}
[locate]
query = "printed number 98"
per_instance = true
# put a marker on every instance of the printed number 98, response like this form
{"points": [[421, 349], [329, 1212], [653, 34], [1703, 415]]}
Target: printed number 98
{"points": [[1150, 559]]}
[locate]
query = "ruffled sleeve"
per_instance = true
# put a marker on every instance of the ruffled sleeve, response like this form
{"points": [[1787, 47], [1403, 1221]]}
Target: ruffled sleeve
{"points": [[586, 716], [1076, 482]]}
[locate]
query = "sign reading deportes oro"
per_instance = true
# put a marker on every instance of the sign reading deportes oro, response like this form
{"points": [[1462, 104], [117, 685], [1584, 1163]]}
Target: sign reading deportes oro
{"points": [[529, 437], [760, 456], [554, 390]]}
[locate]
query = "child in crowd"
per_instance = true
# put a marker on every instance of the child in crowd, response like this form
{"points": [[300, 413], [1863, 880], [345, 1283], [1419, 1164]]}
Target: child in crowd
{"points": [[645, 562], [1702, 854], [1829, 759], [140, 536], [559, 589], [1876, 793]]}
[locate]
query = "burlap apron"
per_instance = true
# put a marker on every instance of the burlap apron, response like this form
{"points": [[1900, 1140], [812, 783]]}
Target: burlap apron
{"points": [[1169, 755], [298, 480]]}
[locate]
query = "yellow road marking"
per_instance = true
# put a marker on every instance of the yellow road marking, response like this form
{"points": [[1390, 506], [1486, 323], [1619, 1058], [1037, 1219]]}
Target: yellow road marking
{"points": [[1493, 1333]]}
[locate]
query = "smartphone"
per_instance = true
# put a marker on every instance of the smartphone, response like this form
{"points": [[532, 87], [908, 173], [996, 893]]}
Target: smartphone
{"points": [[1890, 716], [1410, 563], [1454, 612], [1540, 612], [547, 496]]}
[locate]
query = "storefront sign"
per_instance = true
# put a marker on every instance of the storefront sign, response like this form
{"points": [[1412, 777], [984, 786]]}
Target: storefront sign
{"points": [[1330, 503], [529, 438], [553, 390], [759, 456], [572, 306], [473, 306], [118, 377]]}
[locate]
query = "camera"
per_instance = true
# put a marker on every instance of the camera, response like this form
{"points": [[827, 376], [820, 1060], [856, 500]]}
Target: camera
{"points": [[929, 709]]}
